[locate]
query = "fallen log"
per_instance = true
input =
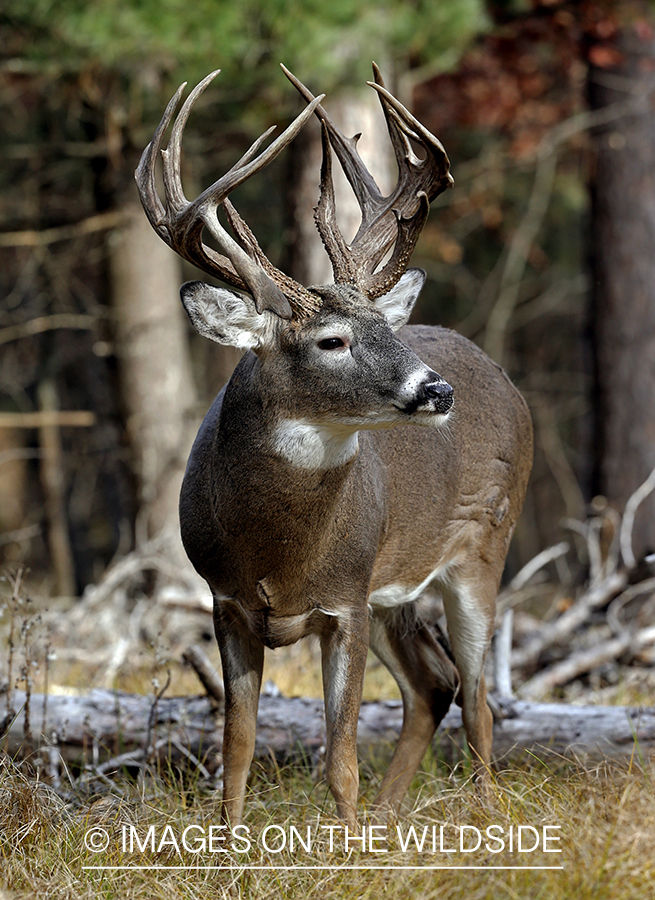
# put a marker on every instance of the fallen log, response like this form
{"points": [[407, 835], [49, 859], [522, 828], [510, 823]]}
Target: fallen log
{"points": [[107, 729]]}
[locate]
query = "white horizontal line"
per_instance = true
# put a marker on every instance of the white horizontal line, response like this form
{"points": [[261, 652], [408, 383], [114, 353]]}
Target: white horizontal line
{"points": [[310, 868]]}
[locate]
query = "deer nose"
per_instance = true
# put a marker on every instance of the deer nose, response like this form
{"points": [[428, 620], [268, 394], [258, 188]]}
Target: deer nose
{"points": [[440, 393]]}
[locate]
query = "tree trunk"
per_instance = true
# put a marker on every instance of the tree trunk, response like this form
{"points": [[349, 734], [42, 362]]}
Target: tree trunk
{"points": [[157, 385], [623, 259]]}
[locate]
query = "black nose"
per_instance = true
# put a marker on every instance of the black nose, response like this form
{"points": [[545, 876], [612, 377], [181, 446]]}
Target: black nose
{"points": [[441, 393], [439, 389]]}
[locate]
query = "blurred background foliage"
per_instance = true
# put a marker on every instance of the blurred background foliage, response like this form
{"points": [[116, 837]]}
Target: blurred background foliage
{"points": [[249, 38], [509, 252]]}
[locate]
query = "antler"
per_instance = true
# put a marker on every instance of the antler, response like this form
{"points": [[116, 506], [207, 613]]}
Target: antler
{"points": [[396, 219], [180, 223]]}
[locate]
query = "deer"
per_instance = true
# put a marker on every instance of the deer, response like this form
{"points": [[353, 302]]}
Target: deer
{"points": [[308, 504]]}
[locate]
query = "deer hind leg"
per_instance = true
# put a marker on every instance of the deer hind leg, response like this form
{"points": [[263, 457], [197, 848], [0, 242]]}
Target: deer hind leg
{"points": [[470, 612], [242, 657], [427, 678]]}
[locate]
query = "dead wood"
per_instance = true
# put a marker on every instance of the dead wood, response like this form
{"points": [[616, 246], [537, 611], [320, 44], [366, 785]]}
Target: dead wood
{"points": [[196, 657], [584, 661], [106, 730], [597, 596]]}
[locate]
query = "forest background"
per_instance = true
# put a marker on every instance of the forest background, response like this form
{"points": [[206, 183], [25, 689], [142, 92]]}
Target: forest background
{"points": [[542, 253]]}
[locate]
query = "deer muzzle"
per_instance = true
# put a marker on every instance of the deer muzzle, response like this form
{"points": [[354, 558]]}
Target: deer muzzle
{"points": [[431, 395]]}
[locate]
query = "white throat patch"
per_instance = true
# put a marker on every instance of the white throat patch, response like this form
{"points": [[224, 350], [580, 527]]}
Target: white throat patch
{"points": [[310, 446]]}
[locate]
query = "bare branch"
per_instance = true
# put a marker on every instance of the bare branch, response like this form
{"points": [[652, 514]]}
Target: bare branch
{"points": [[209, 677], [101, 222], [579, 663], [595, 597], [48, 418], [627, 524], [70, 321], [506, 597]]}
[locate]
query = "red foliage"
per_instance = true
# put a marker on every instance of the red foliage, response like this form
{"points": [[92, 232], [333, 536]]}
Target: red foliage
{"points": [[530, 72], [521, 80]]}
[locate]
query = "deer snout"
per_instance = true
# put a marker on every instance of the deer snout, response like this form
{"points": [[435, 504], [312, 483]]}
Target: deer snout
{"points": [[426, 392], [438, 393]]}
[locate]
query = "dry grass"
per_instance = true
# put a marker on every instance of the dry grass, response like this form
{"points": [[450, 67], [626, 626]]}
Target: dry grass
{"points": [[606, 814]]}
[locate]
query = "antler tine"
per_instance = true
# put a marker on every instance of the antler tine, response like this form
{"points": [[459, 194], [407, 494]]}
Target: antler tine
{"points": [[180, 223], [359, 177], [247, 166], [396, 219], [145, 173], [434, 168], [172, 156], [325, 216]]}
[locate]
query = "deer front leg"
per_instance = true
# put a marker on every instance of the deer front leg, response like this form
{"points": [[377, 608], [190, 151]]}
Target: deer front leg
{"points": [[343, 651], [242, 656]]}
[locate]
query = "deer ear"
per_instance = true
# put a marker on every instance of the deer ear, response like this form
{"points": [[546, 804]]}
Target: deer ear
{"points": [[225, 316], [397, 304]]}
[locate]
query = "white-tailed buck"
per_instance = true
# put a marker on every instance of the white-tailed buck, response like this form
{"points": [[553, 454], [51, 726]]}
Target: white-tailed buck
{"points": [[307, 504]]}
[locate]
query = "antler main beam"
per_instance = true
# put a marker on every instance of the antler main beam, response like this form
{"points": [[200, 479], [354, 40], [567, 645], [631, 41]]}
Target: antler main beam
{"points": [[180, 223], [386, 221]]}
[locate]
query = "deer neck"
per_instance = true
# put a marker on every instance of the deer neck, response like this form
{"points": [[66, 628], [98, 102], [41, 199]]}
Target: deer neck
{"points": [[310, 446], [303, 454], [297, 462], [290, 523]]}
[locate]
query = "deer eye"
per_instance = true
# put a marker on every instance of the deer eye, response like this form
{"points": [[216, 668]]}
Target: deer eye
{"points": [[331, 343]]}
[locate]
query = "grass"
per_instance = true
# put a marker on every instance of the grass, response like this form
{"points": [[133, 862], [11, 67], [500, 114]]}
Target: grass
{"points": [[605, 814]]}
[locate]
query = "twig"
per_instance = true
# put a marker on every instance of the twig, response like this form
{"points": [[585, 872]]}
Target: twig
{"points": [[589, 530], [72, 321], [100, 222], [528, 228], [506, 598], [15, 582], [556, 457], [132, 564], [48, 418], [20, 535], [152, 718], [131, 758], [623, 599], [19, 453], [190, 601], [517, 257], [196, 657], [594, 597], [165, 742], [627, 524], [123, 645]]}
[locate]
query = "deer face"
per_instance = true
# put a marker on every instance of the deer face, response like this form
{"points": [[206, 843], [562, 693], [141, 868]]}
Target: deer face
{"points": [[346, 367], [334, 373]]}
